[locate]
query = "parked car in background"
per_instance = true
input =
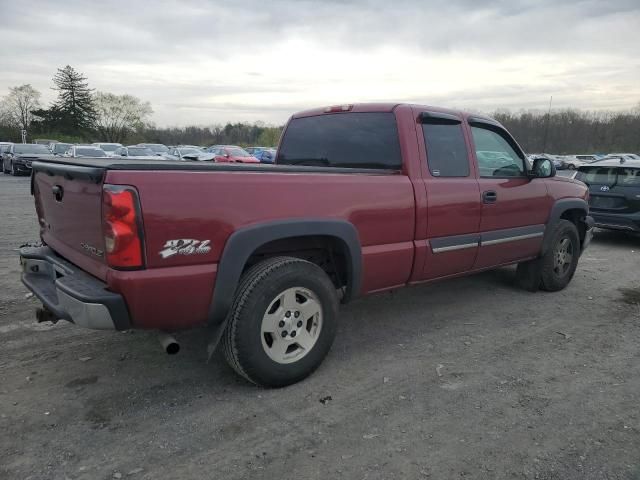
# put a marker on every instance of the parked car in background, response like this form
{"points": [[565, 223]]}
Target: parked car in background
{"points": [[4, 146], [44, 141], [60, 148], [232, 154], [135, 151], [17, 159], [109, 148], [575, 161], [628, 156], [250, 150], [265, 155], [76, 151], [614, 188], [157, 148], [190, 153]]}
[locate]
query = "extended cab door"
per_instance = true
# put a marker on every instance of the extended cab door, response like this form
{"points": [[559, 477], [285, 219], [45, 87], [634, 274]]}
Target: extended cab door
{"points": [[453, 197], [515, 208]]}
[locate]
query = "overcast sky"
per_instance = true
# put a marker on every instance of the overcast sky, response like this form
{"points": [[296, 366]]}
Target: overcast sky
{"points": [[206, 62]]}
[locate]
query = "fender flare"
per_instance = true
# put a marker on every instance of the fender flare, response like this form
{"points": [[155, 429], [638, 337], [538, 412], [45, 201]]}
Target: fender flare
{"points": [[243, 242], [559, 207]]}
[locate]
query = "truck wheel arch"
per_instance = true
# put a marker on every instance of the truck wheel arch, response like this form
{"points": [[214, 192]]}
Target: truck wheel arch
{"points": [[566, 208], [245, 241]]}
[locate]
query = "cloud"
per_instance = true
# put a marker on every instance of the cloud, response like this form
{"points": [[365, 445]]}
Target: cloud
{"points": [[206, 62]]}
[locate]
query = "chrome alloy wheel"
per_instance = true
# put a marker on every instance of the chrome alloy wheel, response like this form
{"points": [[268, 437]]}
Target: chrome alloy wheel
{"points": [[291, 325], [563, 256]]}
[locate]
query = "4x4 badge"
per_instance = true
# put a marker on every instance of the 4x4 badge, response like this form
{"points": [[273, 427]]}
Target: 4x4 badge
{"points": [[185, 246]]}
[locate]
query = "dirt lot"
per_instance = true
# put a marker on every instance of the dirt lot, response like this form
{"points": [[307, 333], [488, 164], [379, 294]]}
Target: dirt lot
{"points": [[469, 378]]}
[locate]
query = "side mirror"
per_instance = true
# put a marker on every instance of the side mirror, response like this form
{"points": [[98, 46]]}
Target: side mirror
{"points": [[226, 155], [543, 168]]}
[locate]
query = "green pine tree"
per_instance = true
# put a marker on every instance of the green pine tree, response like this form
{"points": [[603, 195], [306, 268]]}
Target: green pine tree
{"points": [[75, 101]]}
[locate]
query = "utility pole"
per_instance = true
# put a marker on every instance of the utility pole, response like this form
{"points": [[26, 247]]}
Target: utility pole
{"points": [[546, 128]]}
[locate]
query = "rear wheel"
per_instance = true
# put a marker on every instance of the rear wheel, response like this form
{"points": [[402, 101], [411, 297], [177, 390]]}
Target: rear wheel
{"points": [[571, 166], [282, 323]]}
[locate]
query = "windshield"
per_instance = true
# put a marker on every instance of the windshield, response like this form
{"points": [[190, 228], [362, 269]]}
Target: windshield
{"points": [[61, 147], [610, 176], [157, 147], [238, 152], [31, 149], [90, 152], [4, 148], [140, 152], [107, 147]]}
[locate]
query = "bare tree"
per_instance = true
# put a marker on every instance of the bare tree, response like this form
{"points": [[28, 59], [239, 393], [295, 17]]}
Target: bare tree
{"points": [[119, 115], [17, 107]]}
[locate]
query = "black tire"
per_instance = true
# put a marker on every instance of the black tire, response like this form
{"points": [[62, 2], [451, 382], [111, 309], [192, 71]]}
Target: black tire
{"points": [[571, 166], [528, 275], [242, 340], [552, 276]]}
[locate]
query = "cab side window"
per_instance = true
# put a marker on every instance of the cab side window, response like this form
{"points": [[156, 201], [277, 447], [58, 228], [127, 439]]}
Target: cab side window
{"points": [[447, 154], [496, 157]]}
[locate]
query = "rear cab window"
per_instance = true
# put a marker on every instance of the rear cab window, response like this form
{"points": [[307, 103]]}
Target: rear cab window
{"points": [[347, 140]]}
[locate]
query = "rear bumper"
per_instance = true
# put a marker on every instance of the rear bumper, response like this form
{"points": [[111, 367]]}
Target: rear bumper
{"points": [[71, 294], [617, 221]]}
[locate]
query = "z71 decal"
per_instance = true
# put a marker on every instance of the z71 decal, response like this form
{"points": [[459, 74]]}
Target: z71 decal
{"points": [[185, 246]]}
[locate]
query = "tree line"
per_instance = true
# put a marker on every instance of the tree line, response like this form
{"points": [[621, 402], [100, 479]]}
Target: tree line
{"points": [[81, 114], [573, 131]]}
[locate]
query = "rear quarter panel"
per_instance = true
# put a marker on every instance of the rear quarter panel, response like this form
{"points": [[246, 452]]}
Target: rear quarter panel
{"points": [[211, 206]]}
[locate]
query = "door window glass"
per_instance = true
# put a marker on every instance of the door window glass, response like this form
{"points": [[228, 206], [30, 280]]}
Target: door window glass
{"points": [[496, 157], [446, 150]]}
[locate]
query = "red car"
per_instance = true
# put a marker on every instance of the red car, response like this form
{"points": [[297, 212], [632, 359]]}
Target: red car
{"points": [[232, 154], [362, 199]]}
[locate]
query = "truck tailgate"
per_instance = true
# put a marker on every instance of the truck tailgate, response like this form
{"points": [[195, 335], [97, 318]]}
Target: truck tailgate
{"points": [[69, 206]]}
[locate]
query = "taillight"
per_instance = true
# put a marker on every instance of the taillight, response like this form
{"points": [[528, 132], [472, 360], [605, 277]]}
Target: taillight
{"points": [[122, 227]]}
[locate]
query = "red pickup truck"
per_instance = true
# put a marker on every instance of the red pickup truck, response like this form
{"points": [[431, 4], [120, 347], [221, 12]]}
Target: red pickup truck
{"points": [[362, 199]]}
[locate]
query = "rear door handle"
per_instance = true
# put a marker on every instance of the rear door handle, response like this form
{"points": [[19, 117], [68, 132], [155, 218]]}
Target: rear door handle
{"points": [[490, 196]]}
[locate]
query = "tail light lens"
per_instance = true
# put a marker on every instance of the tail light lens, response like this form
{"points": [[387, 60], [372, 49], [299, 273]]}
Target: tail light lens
{"points": [[122, 227]]}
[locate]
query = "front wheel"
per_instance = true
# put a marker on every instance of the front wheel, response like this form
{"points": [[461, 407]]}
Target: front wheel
{"points": [[554, 270], [559, 263], [571, 167], [282, 322]]}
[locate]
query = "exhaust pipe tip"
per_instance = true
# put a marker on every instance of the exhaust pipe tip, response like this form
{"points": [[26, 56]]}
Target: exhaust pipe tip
{"points": [[169, 344], [43, 314]]}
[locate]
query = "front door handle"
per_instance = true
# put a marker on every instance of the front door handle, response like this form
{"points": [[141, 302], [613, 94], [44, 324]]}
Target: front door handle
{"points": [[490, 196]]}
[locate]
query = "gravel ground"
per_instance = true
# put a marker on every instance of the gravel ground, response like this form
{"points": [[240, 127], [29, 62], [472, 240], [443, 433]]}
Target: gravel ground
{"points": [[470, 378]]}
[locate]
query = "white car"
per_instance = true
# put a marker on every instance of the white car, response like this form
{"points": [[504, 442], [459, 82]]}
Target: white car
{"points": [[137, 152], [85, 151], [109, 148], [626, 156], [575, 161]]}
